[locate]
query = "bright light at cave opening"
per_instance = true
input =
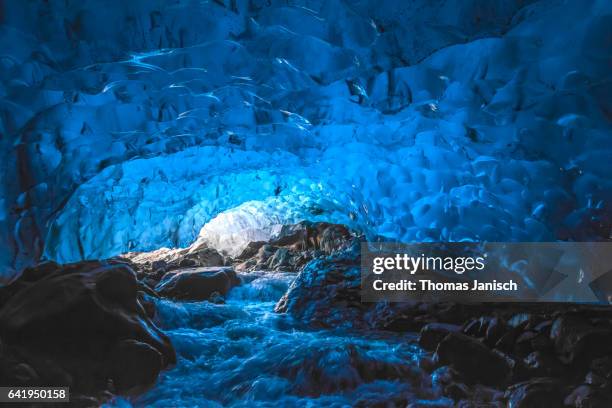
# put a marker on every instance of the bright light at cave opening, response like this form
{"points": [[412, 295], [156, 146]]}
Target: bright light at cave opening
{"points": [[232, 230]]}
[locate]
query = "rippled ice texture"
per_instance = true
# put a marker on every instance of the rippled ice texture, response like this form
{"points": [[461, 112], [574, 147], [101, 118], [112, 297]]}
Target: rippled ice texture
{"points": [[243, 354], [131, 126]]}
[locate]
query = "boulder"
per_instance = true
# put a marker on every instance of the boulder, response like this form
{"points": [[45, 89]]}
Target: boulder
{"points": [[507, 342], [197, 283], [281, 259], [588, 396], [602, 367], [197, 256], [250, 250], [530, 341], [522, 320], [538, 392], [270, 257], [475, 361], [73, 324], [327, 292], [152, 266], [577, 340], [294, 246], [491, 329], [600, 373], [134, 365], [543, 364], [308, 235], [433, 333]]}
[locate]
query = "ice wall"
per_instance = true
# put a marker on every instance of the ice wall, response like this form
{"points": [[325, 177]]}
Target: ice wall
{"points": [[130, 125]]}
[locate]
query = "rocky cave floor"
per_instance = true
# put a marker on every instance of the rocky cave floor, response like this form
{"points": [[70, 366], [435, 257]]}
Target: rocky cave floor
{"points": [[282, 323]]}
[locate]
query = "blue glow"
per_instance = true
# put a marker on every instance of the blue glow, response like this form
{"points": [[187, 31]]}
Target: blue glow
{"points": [[132, 127]]}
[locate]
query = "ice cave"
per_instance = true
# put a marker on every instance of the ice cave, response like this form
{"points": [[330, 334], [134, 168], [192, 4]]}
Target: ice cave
{"points": [[257, 142]]}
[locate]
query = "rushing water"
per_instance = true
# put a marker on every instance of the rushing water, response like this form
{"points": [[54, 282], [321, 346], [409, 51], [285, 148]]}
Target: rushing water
{"points": [[243, 354]]}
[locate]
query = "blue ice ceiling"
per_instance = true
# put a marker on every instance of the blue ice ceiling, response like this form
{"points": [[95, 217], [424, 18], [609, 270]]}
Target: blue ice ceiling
{"points": [[131, 125]]}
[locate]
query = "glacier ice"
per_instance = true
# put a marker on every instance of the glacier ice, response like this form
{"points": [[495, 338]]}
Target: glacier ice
{"points": [[148, 125]]}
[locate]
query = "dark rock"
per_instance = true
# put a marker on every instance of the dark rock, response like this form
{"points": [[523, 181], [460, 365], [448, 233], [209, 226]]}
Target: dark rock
{"points": [[444, 376], [197, 283], [201, 256], [63, 329], [266, 259], [308, 235], [433, 333], [538, 392], [400, 322], [592, 378], [159, 265], [183, 263], [327, 292], [135, 366], [448, 382], [35, 273], [294, 247], [457, 391], [427, 364], [507, 342], [24, 373], [147, 303], [217, 298], [521, 320], [576, 340], [588, 396], [530, 341], [543, 364], [25, 366], [491, 329], [118, 285], [544, 327], [482, 396], [151, 267], [281, 259], [250, 251], [602, 366], [474, 328], [475, 361], [496, 328], [151, 282], [40, 271], [595, 379], [332, 237], [600, 373]]}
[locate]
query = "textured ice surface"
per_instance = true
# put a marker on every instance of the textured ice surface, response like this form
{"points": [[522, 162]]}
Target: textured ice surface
{"points": [[131, 126]]}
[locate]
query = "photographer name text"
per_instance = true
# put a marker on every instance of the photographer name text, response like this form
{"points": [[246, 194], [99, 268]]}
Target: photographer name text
{"points": [[405, 263]]}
